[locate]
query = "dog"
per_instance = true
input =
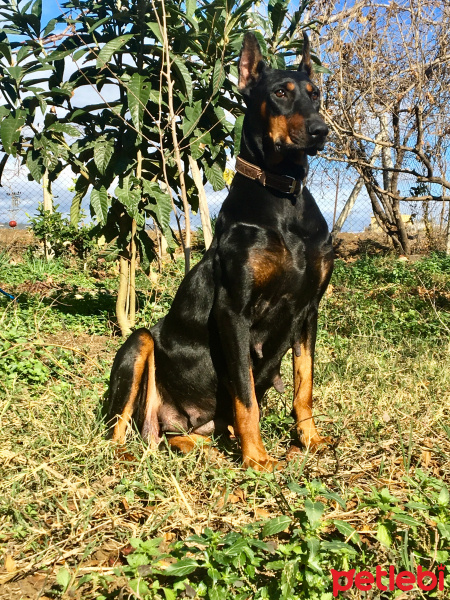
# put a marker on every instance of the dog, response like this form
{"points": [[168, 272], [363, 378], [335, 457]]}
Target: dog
{"points": [[254, 295]]}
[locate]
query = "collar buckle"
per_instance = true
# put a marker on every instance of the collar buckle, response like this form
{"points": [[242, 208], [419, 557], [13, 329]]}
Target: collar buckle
{"points": [[293, 185], [262, 178]]}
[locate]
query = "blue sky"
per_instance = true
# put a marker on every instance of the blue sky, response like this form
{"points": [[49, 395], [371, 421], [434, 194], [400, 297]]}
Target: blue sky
{"points": [[50, 10]]}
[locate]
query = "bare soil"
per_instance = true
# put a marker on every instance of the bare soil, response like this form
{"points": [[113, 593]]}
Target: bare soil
{"points": [[348, 246]]}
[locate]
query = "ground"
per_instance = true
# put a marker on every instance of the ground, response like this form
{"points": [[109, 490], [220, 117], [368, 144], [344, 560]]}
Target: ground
{"points": [[80, 519]]}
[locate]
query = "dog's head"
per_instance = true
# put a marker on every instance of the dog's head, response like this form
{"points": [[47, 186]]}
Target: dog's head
{"points": [[283, 106]]}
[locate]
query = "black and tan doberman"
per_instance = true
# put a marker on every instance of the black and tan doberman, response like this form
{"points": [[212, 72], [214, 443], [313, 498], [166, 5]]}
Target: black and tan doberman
{"points": [[253, 296]]}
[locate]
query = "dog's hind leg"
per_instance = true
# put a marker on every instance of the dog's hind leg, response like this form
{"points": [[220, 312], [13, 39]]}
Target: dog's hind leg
{"points": [[133, 393], [186, 443]]}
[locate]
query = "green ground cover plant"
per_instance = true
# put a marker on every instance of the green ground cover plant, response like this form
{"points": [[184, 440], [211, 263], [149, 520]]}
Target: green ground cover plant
{"points": [[78, 519]]}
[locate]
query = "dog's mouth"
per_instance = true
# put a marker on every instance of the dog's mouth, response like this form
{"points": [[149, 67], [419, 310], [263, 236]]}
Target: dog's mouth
{"points": [[309, 144], [317, 143]]}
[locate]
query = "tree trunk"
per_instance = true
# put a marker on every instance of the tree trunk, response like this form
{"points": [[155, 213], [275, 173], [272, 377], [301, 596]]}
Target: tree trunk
{"points": [[122, 294], [202, 203], [355, 192], [48, 206]]}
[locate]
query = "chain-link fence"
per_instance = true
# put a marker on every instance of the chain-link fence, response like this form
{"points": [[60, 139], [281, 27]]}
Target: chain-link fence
{"points": [[331, 182]]}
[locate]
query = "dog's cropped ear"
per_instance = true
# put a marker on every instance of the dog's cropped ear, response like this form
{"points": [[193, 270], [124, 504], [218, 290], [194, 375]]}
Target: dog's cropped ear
{"points": [[251, 63], [305, 64]]}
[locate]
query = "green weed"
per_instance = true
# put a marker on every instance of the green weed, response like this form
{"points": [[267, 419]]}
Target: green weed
{"points": [[157, 525]]}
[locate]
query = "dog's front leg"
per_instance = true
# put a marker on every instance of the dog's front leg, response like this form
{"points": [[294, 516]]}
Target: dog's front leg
{"points": [[303, 367], [235, 339]]}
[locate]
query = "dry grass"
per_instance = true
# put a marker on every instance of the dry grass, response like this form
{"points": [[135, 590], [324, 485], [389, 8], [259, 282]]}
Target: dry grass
{"points": [[69, 499]]}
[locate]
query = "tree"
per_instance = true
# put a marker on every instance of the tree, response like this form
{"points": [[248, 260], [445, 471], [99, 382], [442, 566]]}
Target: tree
{"points": [[167, 113], [387, 99]]}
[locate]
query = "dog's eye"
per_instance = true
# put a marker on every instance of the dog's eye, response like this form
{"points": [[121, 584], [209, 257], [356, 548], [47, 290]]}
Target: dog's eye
{"points": [[314, 95], [280, 93]]}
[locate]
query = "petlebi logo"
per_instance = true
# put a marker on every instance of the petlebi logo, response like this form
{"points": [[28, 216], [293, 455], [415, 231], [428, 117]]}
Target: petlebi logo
{"points": [[404, 580]]}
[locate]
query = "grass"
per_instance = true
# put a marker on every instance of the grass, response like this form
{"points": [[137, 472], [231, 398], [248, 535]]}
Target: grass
{"points": [[200, 526]]}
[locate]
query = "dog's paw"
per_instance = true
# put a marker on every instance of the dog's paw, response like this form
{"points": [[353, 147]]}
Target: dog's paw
{"points": [[264, 464], [319, 442], [314, 442]]}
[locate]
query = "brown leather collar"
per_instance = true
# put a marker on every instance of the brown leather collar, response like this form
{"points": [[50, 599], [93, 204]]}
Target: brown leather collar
{"points": [[282, 183]]}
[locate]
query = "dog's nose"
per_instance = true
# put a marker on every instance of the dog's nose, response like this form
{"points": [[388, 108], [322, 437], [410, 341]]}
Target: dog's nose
{"points": [[318, 128]]}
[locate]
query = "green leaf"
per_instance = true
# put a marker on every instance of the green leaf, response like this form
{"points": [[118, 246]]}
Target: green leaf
{"points": [[184, 74], [147, 254], [417, 506], [444, 530], [339, 547], [138, 93], [49, 27], [347, 530], [10, 131], [37, 9], [16, 73], [301, 491], [314, 512], [335, 497], [169, 594], [218, 76], [100, 203], [35, 166], [23, 52], [320, 69], [63, 578], [214, 175], [130, 198], [444, 496], [5, 51], [106, 53], [387, 497], [161, 208], [98, 23], [156, 32], [59, 54], [288, 579], [103, 151], [384, 535], [237, 547], [314, 555], [276, 525], [277, 10], [406, 519], [75, 210], [191, 118], [140, 587], [67, 128], [238, 134], [191, 5], [181, 568]]}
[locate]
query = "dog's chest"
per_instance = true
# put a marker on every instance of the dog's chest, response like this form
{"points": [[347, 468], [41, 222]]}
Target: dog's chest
{"points": [[290, 266]]}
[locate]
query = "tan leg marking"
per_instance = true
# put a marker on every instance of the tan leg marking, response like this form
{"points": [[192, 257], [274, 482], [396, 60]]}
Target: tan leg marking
{"points": [[123, 420], [186, 443], [247, 428], [152, 401], [150, 427], [303, 387]]}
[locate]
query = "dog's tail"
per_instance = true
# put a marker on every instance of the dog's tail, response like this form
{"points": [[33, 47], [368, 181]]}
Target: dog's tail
{"points": [[133, 395]]}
